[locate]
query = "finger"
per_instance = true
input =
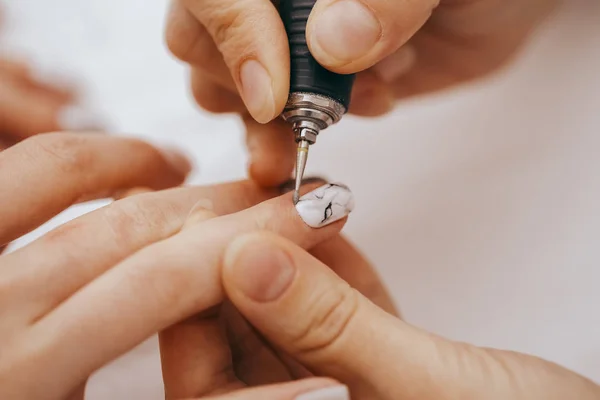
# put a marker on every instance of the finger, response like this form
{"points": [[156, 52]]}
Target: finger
{"points": [[48, 173], [351, 266], [304, 307], [160, 285], [307, 389], [258, 59], [371, 97], [194, 353], [213, 97], [467, 41], [301, 305], [21, 73], [189, 41], [349, 36], [272, 151], [27, 109], [255, 362], [23, 112], [16, 69], [395, 65], [32, 283]]}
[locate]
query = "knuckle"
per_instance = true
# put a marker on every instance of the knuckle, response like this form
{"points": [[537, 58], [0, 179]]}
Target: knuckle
{"points": [[68, 153], [228, 26], [329, 316], [182, 40], [138, 219]]}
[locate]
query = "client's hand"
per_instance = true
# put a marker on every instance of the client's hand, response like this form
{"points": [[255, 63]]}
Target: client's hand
{"points": [[29, 106], [97, 286], [307, 312]]}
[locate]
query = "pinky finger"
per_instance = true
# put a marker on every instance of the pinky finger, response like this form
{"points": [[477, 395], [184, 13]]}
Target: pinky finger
{"points": [[307, 389]]}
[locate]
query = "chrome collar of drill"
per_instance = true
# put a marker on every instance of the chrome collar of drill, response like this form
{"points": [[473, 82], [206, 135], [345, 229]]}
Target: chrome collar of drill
{"points": [[310, 113]]}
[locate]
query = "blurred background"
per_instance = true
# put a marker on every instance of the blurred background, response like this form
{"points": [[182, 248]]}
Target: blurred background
{"points": [[480, 206]]}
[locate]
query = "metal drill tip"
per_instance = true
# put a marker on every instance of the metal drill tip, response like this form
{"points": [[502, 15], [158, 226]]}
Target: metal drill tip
{"points": [[301, 158]]}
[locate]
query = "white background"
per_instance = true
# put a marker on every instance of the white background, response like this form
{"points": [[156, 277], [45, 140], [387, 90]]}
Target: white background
{"points": [[480, 206]]}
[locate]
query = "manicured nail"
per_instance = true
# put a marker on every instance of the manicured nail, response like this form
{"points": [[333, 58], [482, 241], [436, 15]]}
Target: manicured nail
{"points": [[257, 92], [325, 205], [74, 118], [290, 184], [345, 31], [261, 270], [395, 65], [329, 393], [177, 159]]}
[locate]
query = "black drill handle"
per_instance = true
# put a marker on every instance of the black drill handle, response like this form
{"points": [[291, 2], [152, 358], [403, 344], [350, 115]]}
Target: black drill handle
{"points": [[307, 75]]}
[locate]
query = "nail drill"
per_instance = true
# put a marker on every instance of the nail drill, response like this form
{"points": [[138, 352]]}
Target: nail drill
{"points": [[318, 97]]}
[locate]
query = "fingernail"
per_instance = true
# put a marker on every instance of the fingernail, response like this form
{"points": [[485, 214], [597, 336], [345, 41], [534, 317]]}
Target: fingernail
{"points": [[395, 65], [345, 31], [325, 205], [177, 159], [261, 270], [290, 184], [74, 118], [256, 91], [329, 393]]}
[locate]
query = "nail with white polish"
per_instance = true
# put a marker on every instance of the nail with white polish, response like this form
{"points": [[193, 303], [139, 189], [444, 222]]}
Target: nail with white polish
{"points": [[329, 393], [74, 118], [325, 205]]}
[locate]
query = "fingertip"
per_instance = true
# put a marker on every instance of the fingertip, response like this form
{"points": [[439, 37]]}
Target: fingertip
{"points": [[177, 159], [326, 205]]}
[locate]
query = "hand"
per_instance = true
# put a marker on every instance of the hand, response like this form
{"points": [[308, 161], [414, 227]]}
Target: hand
{"points": [[97, 286], [29, 106], [305, 310], [400, 48], [218, 349]]}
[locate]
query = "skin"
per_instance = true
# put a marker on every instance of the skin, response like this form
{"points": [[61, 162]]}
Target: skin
{"points": [[319, 321], [27, 106], [423, 47], [99, 282]]}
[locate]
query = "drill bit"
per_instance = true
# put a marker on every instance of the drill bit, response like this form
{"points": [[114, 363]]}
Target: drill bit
{"points": [[301, 157]]}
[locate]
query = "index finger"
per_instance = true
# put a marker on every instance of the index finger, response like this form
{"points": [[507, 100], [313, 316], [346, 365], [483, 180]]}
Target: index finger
{"points": [[159, 286]]}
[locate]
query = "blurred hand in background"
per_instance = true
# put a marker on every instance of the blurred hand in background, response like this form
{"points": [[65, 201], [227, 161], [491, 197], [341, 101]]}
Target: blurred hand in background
{"points": [[31, 105]]}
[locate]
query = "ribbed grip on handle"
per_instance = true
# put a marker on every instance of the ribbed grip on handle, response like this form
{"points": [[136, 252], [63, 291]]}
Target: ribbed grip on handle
{"points": [[307, 75]]}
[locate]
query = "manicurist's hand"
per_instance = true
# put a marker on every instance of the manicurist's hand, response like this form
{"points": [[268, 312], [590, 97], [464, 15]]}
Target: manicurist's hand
{"points": [[92, 289], [239, 56], [302, 308]]}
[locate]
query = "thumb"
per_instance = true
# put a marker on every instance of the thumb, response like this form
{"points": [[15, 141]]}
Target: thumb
{"points": [[304, 308], [348, 36]]}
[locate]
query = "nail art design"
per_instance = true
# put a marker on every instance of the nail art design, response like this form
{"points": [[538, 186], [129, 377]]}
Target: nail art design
{"points": [[325, 205], [330, 393]]}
